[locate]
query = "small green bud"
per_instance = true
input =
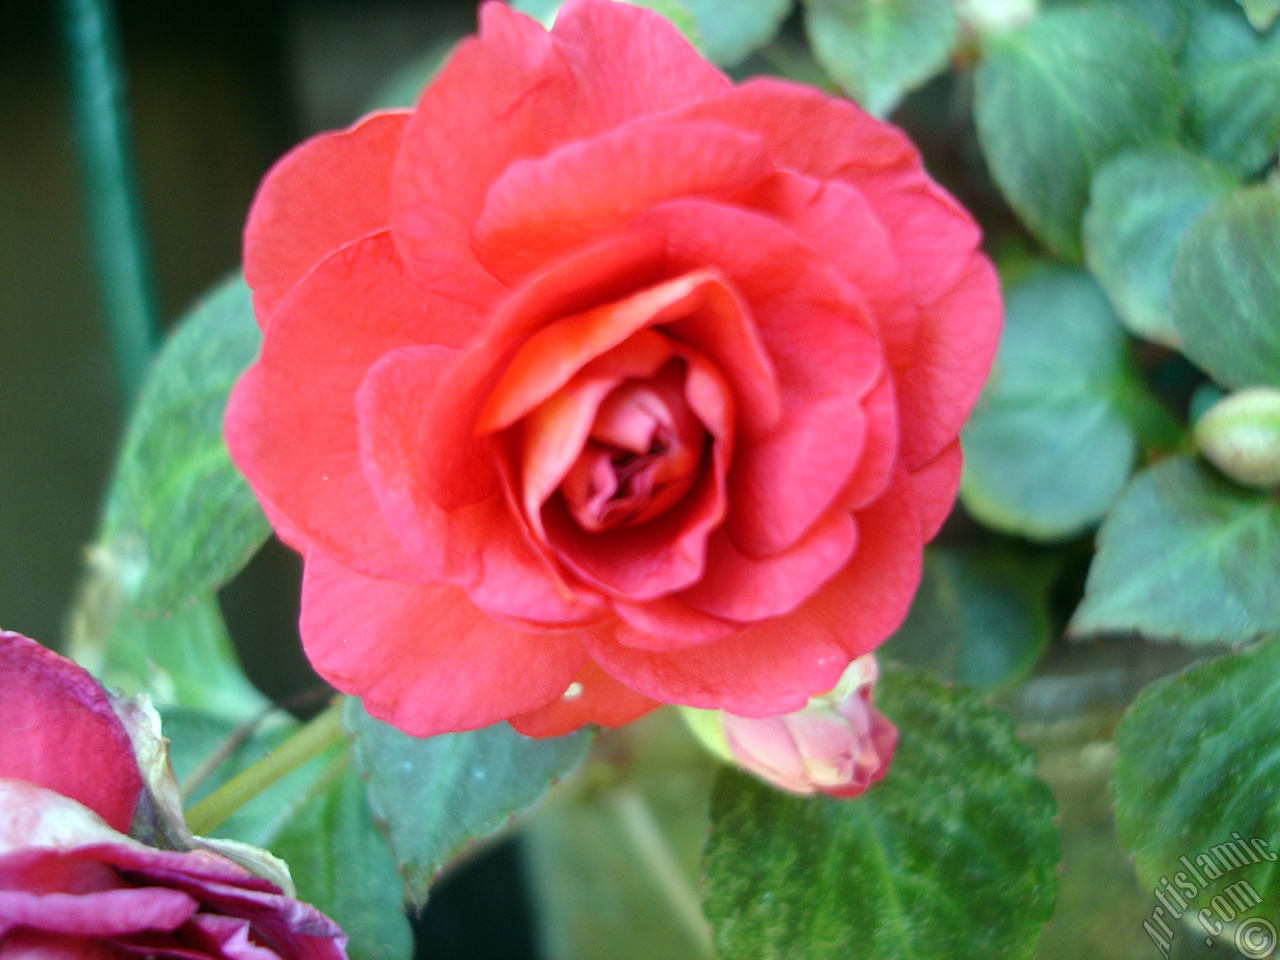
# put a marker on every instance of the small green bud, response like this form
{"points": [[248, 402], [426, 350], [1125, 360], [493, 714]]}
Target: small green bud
{"points": [[985, 17], [1240, 435]]}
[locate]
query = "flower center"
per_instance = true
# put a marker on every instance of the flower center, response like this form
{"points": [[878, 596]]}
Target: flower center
{"points": [[641, 457]]}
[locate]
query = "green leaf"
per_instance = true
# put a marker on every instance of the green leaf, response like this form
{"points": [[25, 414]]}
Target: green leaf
{"points": [[1226, 289], [1188, 556], [731, 30], [1166, 19], [1141, 205], [1053, 437], [1232, 77], [1195, 779], [184, 659], [980, 617], [1059, 97], [437, 795], [1261, 13], [589, 851], [179, 520], [879, 50], [316, 819], [954, 854], [789, 57], [726, 31], [196, 736], [342, 865], [543, 11]]}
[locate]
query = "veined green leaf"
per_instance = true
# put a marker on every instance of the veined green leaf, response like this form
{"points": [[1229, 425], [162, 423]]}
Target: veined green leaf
{"points": [[179, 520], [1057, 98], [1186, 555], [438, 794], [954, 854]]}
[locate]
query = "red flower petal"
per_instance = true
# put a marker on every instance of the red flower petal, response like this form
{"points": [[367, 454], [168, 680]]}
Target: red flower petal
{"points": [[954, 352], [540, 209], [650, 67], [824, 357], [958, 294], [775, 666], [741, 588], [931, 233], [839, 224], [505, 94], [552, 440], [451, 447], [424, 658], [809, 132], [516, 91], [323, 194], [935, 386], [764, 676], [264, 436], [879, 457], [594, 697], [696, 308], [666, 553], [552, 435], [660, 556], [58, 731], [810, 456], [291, 420], [934, 240], [668, 623], [478, 546], [935, 485]]}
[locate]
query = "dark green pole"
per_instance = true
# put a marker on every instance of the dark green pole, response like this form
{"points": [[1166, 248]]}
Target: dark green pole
{"points": [[115, 221]]}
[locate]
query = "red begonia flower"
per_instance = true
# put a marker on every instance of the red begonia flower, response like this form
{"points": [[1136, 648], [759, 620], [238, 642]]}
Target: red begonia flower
{"points": [[596, 382]]}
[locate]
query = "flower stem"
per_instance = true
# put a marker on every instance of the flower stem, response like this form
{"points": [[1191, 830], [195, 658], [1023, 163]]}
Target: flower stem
{"points": [[209, 765], [646, 838], [310, 741], [115, 219]]}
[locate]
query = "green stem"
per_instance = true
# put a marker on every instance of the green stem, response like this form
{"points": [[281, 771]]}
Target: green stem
{"points": [[646, 838], [98, 99], [206, 767], [309, 742]]}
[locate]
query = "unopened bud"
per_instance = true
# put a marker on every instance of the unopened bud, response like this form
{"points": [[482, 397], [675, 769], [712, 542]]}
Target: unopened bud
{"points": [[984, 17], [1240, 435], [839, 744]]}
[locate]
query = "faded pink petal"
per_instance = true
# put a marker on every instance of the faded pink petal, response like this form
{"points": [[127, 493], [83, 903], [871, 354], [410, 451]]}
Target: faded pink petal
{"points": [[58, 730]]}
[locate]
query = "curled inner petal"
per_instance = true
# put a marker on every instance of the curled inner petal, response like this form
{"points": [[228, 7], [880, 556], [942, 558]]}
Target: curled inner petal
{"points": [[697, 309], [622, 471], [642, 455]]}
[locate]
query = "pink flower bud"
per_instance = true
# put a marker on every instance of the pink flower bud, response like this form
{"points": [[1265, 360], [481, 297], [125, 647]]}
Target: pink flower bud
{"points": [[839, 744]]}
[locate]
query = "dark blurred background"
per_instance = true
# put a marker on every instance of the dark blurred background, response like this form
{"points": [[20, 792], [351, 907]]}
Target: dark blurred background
{"points": [[216, 91]]}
